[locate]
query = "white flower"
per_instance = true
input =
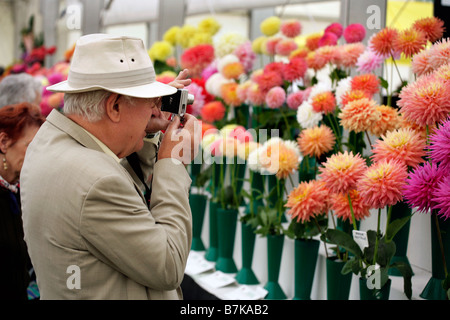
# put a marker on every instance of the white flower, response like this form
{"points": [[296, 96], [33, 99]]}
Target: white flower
{"points": [[342, 87], [253, 162], [323, 86], [307, 117], [214, 84], [225, 60]]}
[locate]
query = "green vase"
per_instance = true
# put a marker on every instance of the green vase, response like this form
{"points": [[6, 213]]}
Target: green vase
{"points": [[226, 230], [400, 210], [198, 206], [434, 290], [305, 254], [338, 284], [374, 294], [246, 274], [274, 253], [212, 251]]}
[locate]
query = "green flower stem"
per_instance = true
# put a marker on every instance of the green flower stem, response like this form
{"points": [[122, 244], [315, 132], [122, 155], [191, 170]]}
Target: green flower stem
{"points": [[351, 210], [389, 213], [286, 121], [396, 67], [233, 181], [222, 190], [376, 240], [335, 130]]}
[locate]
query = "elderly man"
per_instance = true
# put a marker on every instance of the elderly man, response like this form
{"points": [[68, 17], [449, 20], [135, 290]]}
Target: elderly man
{"points": [[90, 231], [18, 88]]}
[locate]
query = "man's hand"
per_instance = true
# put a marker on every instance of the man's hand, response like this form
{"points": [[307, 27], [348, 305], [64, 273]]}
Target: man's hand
{"points": [[181, 80]]}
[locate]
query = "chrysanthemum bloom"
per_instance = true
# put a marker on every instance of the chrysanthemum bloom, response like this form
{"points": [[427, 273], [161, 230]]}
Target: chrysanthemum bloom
{"points": [[197, 58], [352, 95], [324, 102], [227, 43], [295, 99], [160, 50], [295, 69], [382, 41], [441, 196], [342, 171], [291, 28], [390, 120], [432, 27], [425, 101], [270, 26], [255, 95], [341, 206], [270, 45], [312, 41], [275, 97], [246, 55], [359, 115], [213, 111], [171, 35], [439, 148], [369, 61], [367, 82], [350, 54], [307, 117], [328, 39], [403, 145], [316, 141], [354, 33], [383, 184], [268, 80], [307, 201], [440, 53], [421, 64], [421, 185], [229, 94], [285, 47], [410, 42], [209, 25], [336, 28]]}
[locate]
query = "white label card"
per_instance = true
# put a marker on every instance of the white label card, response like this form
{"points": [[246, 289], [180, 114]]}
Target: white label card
{"points": [[247, 293], [196, 264], [218, 279], [360, 238]]}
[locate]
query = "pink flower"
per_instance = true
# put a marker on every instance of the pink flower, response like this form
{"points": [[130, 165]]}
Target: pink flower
{"points": [[441, 196], [291, 28], [295, 69], [350, 53], [439, 148], [328, 39], [335, 28], [294, 100], [275, 97], [369, 61], [268, 80], [271, 45], [284, 47], [354, 33], [246, 55]]}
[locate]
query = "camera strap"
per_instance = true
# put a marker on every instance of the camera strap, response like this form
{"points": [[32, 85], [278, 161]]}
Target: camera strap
{"points": [[133, 160]]}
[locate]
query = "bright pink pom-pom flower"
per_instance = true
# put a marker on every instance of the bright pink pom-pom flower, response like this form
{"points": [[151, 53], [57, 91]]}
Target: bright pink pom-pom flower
{"points": [[294, 100], [354, 33], [335, 28], [328, 39]]}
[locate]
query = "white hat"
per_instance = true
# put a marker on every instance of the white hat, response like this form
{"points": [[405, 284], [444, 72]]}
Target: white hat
{"points": [[117, 64]]}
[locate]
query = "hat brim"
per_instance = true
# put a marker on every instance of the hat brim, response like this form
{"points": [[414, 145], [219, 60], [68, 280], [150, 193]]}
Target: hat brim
{"points": [[150, 90]]}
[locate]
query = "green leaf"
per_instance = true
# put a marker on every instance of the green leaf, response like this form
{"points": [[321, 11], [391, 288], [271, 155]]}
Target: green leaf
{"points": [[406, 271], [395, 226], [352, 265], [384, 83], [344, 240]]}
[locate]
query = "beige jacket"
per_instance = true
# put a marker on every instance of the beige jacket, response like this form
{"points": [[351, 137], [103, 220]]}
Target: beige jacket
{"points": [[87, 228]]}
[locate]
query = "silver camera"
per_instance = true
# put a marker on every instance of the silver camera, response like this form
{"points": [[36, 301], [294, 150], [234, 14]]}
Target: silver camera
{"points": [[177, 102]]}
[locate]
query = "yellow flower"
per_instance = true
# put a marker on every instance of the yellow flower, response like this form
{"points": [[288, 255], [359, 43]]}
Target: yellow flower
{"points": [[209, 25], [171, 35], [200, 38], [257, 44], [270, 26], [160, 50], [185, 35]]}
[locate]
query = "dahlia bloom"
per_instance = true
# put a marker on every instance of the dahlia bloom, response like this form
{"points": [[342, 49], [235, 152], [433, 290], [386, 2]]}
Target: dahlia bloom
{"points": [[440, 53], [403, 145], [421, 186], [439, 148], [312, 41], [295, 99], [227, 43], [295, 69], [275, 97], [369, 61], [213, 111], [390, 120], [270, 26], [367, 82], [246, 55], [383, 183], [171, 35], [161, 50], [359, 115], [410, 41], [255, 95], [291, 28], [233, 70], [316, 141], [268, 80], [284, 47], [421, 64], [432, 27], [342, 171], [324, 102], [184, 35], [271, 45], [382, 41], [443, 72], [327, 54], [257, 44], [350, 54], [313, 62], [209, 25], [341, 206], [441, 196], [208, 128], [197, 58], [352, 95], [307, 200], [242, 90], [342, 87], [328, 39], [279, 158], [307, 117], [354, 33], [274, 67], [425, 101], [335, 28]]}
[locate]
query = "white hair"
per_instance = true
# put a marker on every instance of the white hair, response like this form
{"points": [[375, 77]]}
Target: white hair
{"points": [[18, 88]]}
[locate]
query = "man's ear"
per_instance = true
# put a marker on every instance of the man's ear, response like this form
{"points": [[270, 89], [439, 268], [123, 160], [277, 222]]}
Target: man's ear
{"points": [[112, 107]]}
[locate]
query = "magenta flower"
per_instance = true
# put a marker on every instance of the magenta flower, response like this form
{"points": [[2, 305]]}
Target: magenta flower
{"points": [[441, 196], [422, 183], [439, 149], [354, 33]]}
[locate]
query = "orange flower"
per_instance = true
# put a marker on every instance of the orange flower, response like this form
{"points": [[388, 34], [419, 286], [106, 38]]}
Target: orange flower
{"points": [[316, 141], [279, 157], [432, 27], [229, 94], [312, 41], [352, 95], [390, 120], [314, 63], [367, 82], [349, 54], [410, 42], [341, 171], [233, 70], [359, 115], [324, 102], [382, 41], [403, 145], [213, 111], [341, 206], [307, 200], [327, 54]]}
